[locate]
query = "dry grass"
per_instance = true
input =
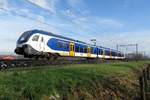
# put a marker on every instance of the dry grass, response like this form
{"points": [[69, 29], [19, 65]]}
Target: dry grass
{"points": [[78, 82]]}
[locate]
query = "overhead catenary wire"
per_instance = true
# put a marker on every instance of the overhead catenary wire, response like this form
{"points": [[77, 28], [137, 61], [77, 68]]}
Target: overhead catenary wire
{"points": [[39, 21], [79, 13], [77, 25]]}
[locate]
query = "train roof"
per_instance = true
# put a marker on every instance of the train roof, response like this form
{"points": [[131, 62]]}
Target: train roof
{"points": [[31, 32], [109, 49]]}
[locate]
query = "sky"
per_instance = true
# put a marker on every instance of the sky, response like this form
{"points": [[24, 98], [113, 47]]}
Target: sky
{"points": [[110, 22]]}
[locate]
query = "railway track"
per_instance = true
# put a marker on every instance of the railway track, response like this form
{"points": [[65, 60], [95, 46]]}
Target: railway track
{"points": [[32, 63]]}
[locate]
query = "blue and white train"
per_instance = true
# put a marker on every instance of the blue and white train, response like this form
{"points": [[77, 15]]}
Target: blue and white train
{"points": [[38, 43]]}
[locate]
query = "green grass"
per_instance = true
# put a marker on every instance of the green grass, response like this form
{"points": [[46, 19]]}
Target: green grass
{"points": [[85, 81]]}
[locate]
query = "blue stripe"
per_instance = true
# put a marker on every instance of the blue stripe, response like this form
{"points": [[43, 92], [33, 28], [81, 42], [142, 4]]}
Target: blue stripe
{"points": [[54, 44]]}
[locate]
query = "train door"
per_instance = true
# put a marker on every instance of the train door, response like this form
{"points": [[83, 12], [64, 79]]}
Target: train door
{"points": [[72, 48], [88, 52], [110, 54], [103, 53]]}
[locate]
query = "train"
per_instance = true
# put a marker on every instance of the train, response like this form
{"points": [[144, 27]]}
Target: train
{"points": [[43, 44]]}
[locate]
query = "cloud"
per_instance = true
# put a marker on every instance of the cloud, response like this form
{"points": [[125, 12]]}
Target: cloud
{"points": [[21, 12], [131, 37], [49, 5], [56, 23], [26, 13], [70, 13], [74, 18], [74, 22], [4, 4], [109, 23], [95, 25], [70, 22], [76, 4], [12, 28]]}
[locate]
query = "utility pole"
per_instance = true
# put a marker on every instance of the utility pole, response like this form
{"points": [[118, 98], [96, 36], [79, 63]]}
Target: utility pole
{"points": [[129, 45], [136, 50], [117, 47], [94, 41]]}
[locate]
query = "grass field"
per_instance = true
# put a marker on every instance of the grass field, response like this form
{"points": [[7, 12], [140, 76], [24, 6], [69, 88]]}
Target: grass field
{"points": [[73, 82]]}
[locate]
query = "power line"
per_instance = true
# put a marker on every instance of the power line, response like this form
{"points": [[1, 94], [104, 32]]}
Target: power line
{"points": [[80, 14], [129, 45], [39, 21], [77, 25], [31, 18]]}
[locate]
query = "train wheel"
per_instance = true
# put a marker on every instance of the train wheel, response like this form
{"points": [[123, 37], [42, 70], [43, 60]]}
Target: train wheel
{"points": [[47, 58], [55, 57], [37, 58], [25, 56]]}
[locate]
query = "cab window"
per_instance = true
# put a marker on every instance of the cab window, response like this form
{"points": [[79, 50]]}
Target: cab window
{"points": [[35, 38]]}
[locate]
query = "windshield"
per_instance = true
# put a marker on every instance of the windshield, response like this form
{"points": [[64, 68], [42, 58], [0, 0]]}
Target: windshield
{"points": [[24, 37]]}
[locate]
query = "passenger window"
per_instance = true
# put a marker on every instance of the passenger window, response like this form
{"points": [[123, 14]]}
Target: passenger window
{"points": [[108, 53], [77, 49], [59, 45], [85, 50], [35, 38], [65, 46], [95, 51], [101, 52], [81, 49]]}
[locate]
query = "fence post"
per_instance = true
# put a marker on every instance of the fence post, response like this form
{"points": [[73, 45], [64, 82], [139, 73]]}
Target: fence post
{"points": [[148, 73], [145, 78], [142, 88]]}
